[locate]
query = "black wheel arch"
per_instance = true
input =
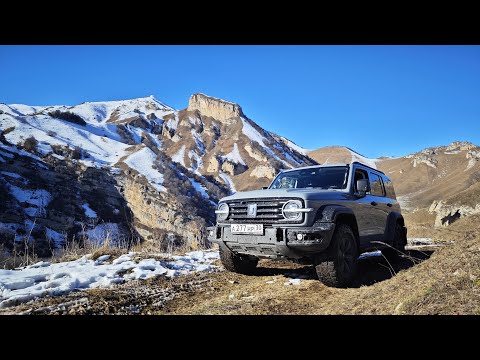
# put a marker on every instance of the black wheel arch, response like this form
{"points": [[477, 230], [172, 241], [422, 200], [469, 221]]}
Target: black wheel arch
{"points": [[392, 220], [339, 214]]}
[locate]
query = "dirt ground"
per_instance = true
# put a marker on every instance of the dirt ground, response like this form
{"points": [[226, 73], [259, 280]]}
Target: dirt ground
{"points": [[439, 280]]}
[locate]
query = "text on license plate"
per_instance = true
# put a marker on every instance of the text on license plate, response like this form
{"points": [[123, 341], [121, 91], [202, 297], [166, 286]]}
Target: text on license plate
{"points": [[246, 229]]}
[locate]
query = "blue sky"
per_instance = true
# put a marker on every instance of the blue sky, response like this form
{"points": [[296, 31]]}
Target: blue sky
{"points": [[378, 100]]}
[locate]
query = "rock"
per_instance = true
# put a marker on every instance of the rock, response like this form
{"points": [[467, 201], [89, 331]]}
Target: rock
{"points": [[424, 159], [447, 214], [217, 108], [398, 309], [213, 165], [436, 206], [255, 154], [263, 171]]}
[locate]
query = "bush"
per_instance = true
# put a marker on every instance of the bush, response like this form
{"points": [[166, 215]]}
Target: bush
{"points": [[30, 144], [77, 153], [8, 130], [67, 116]]}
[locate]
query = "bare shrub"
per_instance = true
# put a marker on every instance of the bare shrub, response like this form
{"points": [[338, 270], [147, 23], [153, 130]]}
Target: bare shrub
{"points": [[67, 116], [30, 144], [8, 130]]}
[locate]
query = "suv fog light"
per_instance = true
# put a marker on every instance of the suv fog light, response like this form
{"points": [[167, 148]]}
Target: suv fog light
{"points": [[299, 236]]}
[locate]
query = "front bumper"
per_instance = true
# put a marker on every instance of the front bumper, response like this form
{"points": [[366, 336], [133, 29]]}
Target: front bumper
{"points": [[276, 242]]}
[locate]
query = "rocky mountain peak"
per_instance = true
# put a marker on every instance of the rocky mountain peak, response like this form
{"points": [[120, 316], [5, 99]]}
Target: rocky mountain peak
{"points": [[461, 146], [219, 109]]}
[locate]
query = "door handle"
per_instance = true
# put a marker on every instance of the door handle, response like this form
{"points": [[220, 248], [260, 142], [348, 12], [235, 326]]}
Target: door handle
{"points": [[389, 205], [374, 203]]}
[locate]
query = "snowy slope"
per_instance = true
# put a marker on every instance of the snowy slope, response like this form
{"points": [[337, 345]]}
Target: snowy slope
{"points": [[100, 112], [234, 156], [102, 150], [101, 140], [143, 162], [294, 146]]}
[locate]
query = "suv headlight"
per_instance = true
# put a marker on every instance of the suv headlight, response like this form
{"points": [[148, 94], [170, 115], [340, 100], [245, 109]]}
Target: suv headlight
{"points": [[292, 210], [222, 212]]}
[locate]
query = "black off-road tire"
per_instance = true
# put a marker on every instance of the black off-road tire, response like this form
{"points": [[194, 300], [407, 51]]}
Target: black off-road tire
{"points": [[397, 248], [242, 264], [341, 269]]}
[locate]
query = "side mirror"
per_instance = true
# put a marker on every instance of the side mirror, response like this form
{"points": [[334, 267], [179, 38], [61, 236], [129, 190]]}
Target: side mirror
{"points": [[362, 187]]}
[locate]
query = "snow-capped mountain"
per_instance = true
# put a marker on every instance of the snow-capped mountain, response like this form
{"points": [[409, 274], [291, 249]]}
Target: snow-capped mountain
{"points": [[133, 168]]}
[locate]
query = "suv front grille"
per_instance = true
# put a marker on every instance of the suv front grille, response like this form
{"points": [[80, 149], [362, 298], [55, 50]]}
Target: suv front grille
{"points": [[269, 211]]}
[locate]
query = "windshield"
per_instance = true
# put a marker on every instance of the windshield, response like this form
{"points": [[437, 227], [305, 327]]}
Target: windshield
{"points": [[321, 177]]}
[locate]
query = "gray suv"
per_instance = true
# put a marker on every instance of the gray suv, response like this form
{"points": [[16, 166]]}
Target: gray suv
{"points": [[324, 215]]}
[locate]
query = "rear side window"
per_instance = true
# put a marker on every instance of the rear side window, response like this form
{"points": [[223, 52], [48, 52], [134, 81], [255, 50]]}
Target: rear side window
{"points": [[376, 185], [389, 188]]}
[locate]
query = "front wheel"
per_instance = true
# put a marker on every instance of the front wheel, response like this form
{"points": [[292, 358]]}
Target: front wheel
{"points": [[341, 269], [242, 264]]}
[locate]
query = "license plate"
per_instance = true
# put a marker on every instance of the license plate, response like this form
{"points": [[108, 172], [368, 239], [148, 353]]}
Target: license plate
{"points": [[247, 229]]}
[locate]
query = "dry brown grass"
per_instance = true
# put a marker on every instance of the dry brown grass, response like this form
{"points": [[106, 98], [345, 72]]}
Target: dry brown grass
{"points": [[75, 249], [446, 283]]}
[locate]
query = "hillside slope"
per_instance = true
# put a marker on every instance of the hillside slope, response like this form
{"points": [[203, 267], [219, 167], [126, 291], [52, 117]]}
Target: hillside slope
{"points": [[340, 155]]}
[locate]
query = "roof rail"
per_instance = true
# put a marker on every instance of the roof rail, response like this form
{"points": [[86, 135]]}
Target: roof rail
{"points": [[359, 163]]}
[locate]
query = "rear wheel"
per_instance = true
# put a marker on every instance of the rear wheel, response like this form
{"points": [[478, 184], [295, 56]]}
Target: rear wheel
{"points": [[397, 248], [341, 269], [242, 264]]}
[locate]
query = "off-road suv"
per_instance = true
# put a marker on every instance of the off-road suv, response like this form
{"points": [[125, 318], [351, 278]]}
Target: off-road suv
{"points": [[324, 215]]}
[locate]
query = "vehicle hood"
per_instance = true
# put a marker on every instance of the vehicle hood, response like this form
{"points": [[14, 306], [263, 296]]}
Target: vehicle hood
{"points": [[306, 194]]}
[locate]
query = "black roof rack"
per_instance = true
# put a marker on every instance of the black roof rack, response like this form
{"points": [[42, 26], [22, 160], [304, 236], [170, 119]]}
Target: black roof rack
{"points": [[359, 163]]}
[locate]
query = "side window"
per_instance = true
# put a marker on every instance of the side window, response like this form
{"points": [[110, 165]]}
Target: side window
{"points": [[389, 187], [359, 174], [376, 185]]}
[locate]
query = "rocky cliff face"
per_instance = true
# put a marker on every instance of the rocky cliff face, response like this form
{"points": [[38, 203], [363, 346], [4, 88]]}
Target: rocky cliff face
{"points": [[218, 109]]}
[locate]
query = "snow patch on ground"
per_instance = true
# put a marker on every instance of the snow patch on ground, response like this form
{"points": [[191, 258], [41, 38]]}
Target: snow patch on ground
{"points": [[292, 282], [198, 141], [200, 188], [295, 147], [88, 211], [44, 278], [252, 133], [228, 181], [142, 161], [234, 156], [179, 156], [172, 124], [37, 197]]}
